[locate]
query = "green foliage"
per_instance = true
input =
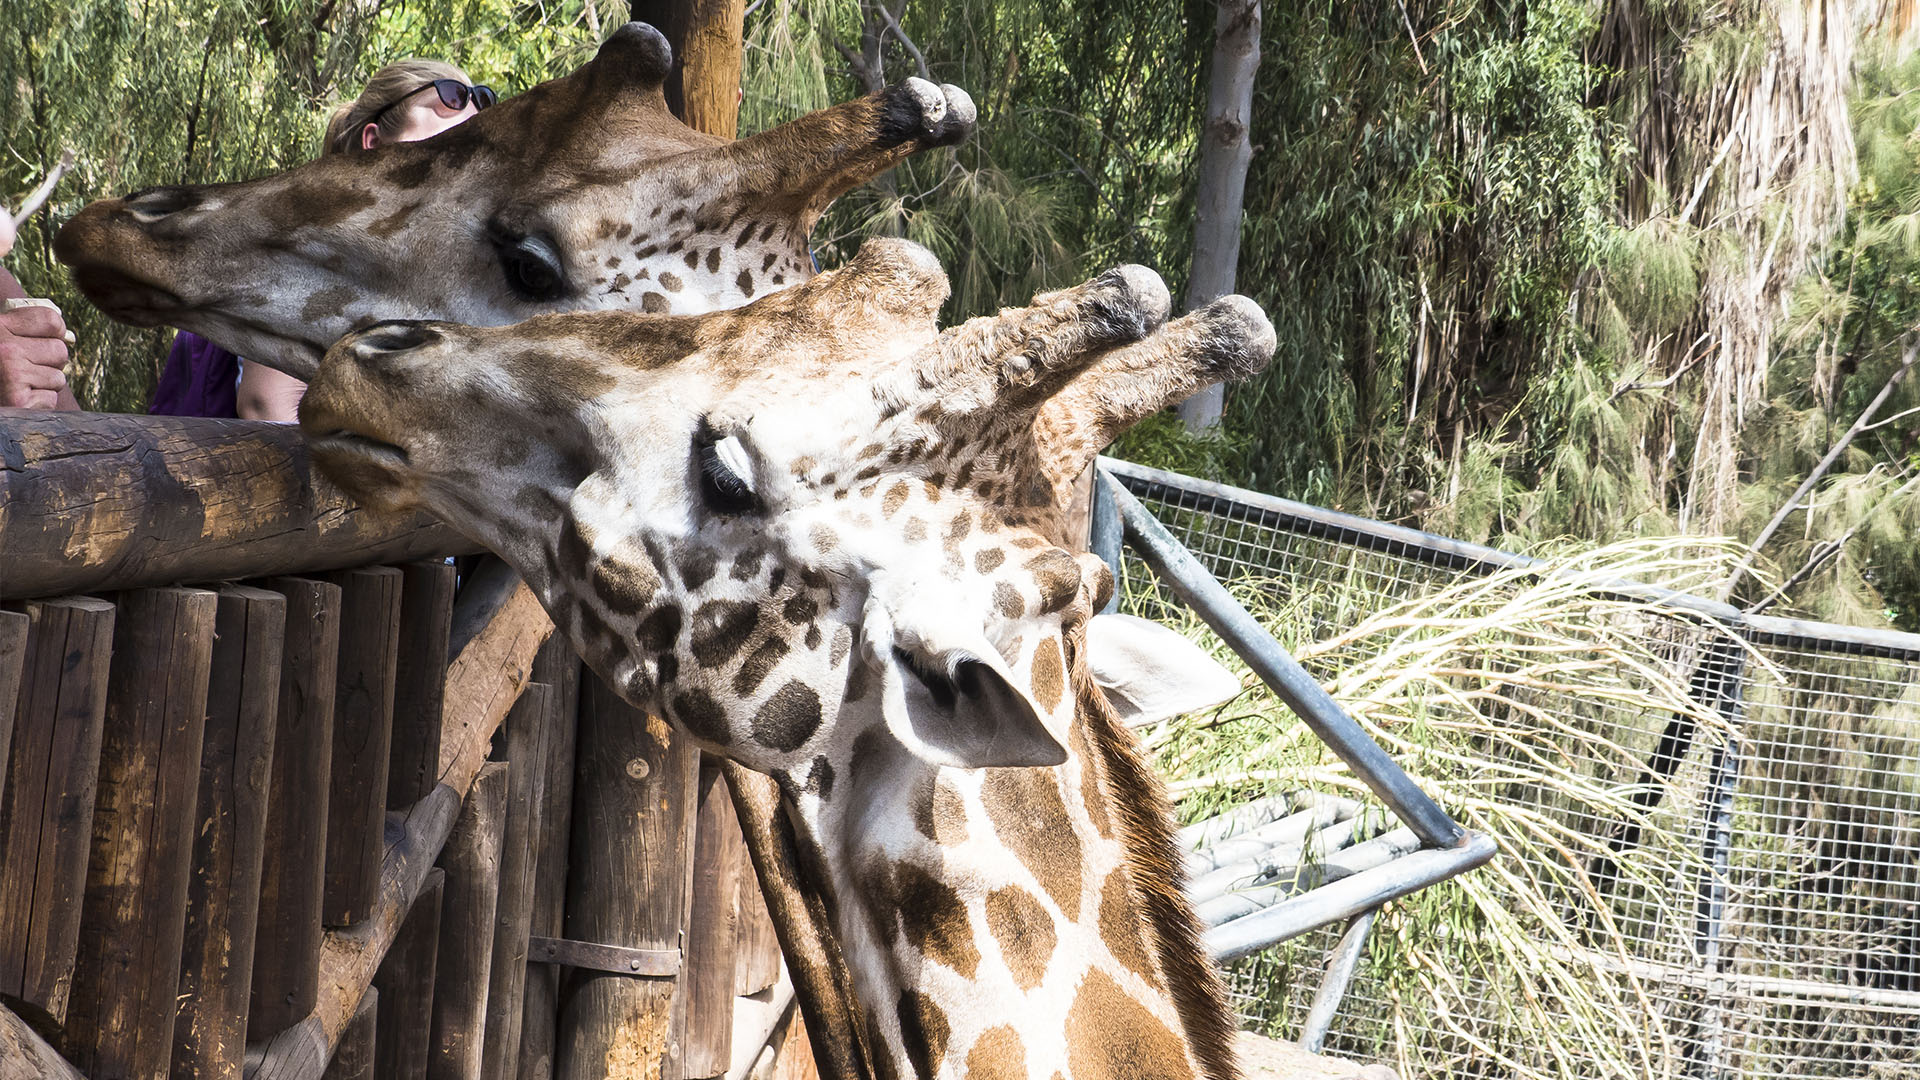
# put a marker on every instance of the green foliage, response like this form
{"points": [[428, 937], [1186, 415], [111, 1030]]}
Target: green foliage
{"points": [[197, 91]]}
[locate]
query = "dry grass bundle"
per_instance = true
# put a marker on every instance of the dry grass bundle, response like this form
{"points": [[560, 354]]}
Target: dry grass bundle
{"points": [[1528, 705]]}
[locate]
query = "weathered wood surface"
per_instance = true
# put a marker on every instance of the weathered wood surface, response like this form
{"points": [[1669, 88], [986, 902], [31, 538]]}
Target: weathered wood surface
{"points": [[24, 1055], [481, 687], [405, 982], [420, 679], [126, 975], [357, 1054], [635, 788], [719, 860], [13, 662], [756, 952], [529, 729], [558, 667], [472, 862], [286, 958], [46, 808], [97, 500], [223, 896], [362, 740]]}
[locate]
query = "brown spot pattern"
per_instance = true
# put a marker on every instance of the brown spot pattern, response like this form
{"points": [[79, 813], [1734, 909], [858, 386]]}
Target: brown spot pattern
{"points": [[895, 498], [720, 629], [758, 665], [1020, 923], [1049, 676], [1121, 928], [987, 560], [924, 1029], [934, 919], [1110, 1035], [789, 718], [939, 813], [1007, 601], [1057, 575], [998, 1054], [1031, 820]]}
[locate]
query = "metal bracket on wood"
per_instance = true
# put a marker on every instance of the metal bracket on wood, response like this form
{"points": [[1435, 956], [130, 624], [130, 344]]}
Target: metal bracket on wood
{"points": [[612, 959]]}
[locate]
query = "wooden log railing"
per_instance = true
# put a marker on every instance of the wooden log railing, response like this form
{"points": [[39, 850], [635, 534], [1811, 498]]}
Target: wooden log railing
{"points": [[226, 809]]}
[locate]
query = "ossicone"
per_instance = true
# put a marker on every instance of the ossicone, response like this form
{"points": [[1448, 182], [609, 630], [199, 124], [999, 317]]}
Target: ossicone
{"points": [[636, 53]]}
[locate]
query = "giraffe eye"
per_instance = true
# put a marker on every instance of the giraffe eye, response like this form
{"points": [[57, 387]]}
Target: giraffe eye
{"points": [[532, 266], [726, 474]]}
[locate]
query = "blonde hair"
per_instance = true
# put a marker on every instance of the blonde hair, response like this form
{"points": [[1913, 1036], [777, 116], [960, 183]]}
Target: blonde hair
{"points": [[388, 85]]}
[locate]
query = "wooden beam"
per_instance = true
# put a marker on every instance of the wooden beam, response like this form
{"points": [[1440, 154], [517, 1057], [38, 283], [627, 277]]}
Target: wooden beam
{"points": [[126, 976], [24, 1055], [420, 679], [481, 686], [286, 957], [719, 862], [529, 730], [46, 814], [558, 667], [472, 862], [634, 794], [223, 896], [362, 740], [356, 1057], [95, 500]]}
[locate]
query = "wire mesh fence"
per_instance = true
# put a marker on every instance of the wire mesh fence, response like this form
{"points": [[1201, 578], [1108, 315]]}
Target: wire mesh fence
{"points": [[1738, 875]]}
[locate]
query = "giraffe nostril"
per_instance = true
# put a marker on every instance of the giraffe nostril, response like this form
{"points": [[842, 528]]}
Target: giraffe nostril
{"points": [[155, 203], [391, 337]]}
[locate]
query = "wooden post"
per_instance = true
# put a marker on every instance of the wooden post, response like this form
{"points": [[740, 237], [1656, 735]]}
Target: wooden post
{"points": [[362, 741], [359, 1045], [405, 982], [420, 679], [756, 951], [528, 729], [13, 662], [559, 668], [286, 957], [635, 792], [472, 862], [703, 89], [223, 896], [127, 973], [46, 808], [24, 1055], [718, 858]]}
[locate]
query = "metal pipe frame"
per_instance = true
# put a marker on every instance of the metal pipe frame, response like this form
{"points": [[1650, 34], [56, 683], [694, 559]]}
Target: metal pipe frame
{"points": [[1244, 634]]}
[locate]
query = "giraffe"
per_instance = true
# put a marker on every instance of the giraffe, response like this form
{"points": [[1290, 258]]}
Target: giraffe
{"points": [[582, 193], [813, 533]]}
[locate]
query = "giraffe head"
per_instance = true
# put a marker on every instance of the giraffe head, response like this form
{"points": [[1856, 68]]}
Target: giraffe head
{"points": [[582, 193], [791, 524]]}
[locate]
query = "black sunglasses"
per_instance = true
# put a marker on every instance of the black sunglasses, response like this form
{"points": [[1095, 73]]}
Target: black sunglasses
{"points": [[454, 94]]}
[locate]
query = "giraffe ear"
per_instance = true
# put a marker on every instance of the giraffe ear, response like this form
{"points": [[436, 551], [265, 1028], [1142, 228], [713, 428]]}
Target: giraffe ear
{"points": [[956, 705], [1148, 672]]}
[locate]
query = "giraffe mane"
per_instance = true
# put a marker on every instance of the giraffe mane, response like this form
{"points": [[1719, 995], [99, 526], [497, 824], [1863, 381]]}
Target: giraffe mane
{"points": [[1133, 793]]}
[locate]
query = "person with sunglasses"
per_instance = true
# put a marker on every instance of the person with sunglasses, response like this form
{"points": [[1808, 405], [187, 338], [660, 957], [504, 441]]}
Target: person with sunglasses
{"points": [[406, 101]]}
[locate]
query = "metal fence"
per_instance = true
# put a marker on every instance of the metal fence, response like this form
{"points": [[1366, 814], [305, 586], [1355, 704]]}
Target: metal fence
{"points": [[1787, 945]]}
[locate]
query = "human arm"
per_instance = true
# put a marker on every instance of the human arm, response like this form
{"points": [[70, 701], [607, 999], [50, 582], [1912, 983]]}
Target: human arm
{"points": [[266, 394]]}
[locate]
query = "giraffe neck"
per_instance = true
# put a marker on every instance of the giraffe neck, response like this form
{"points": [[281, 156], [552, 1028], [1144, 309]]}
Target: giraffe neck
{"points": [[991, 920]]}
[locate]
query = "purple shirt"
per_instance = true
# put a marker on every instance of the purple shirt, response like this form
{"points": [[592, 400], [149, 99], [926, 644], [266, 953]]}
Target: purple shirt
{"points": [[199, 379]]}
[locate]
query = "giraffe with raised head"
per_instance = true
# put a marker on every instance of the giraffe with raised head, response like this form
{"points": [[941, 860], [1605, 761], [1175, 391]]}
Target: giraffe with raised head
{"points": [[582, 193], [815, 534]]}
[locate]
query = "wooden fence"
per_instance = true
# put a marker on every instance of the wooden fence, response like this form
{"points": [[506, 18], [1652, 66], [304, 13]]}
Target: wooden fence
{"points": [[329, 807]]}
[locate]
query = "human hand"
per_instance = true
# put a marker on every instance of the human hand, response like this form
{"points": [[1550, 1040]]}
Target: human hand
{"points": [[6, 231], [33, 354]]}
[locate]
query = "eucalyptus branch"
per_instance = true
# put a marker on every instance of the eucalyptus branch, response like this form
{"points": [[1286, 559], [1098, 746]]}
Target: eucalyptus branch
{"points": [[1624, 389], [1860, 424], [44, 191], [893, 24], [1827, 549]]}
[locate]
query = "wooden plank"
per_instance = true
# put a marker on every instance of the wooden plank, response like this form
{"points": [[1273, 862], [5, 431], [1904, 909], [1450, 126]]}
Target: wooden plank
{"points": [[529, 729], [223, 895], [13, 662], [24, 1055], [191, 500], [127, 973], [481, 686], [719, 856], [794, 1059], [286, 957], [635, 792], [472, 863], [359, 1044], [558, 667], [362, 740], [46, 808], [420, 679], [756, 954], [405, 982]]}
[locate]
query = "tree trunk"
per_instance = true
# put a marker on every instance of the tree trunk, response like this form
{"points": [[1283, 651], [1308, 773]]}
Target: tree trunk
{"points": [[704, 87], [1225, 150]]}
